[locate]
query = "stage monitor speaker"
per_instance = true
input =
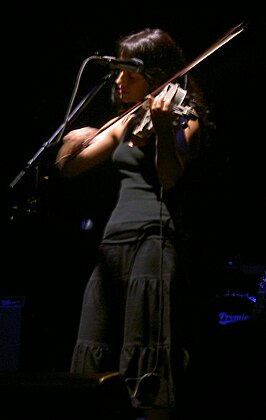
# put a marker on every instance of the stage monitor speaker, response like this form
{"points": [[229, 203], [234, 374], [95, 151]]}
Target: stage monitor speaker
{"points": [[10, 328]]}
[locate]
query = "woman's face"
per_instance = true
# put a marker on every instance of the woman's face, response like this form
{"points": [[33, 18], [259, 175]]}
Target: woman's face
{"points": [[131, 86]]}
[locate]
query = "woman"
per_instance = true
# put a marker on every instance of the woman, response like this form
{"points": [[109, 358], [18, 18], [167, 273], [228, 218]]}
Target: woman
{"points": [[131, 318]]}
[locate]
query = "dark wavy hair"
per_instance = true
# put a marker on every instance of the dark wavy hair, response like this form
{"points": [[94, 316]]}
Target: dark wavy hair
{"points": [[161, 56]]}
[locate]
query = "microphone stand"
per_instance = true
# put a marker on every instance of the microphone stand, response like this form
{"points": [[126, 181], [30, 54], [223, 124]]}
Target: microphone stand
{"points": [[60, 130]]}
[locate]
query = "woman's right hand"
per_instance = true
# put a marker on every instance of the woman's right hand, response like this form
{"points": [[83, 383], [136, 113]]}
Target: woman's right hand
{"points": [[74, 142], [80, 136]]}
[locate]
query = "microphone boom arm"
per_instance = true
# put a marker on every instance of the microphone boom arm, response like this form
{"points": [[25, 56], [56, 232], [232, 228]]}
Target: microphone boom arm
{"points": [[56, 136]]}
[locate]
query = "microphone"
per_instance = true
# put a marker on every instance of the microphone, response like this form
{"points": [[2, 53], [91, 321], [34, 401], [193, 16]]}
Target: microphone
{"points": [[132, 64]]}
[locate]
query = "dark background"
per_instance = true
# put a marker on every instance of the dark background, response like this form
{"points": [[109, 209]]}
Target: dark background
{"points": [[47, 256]]}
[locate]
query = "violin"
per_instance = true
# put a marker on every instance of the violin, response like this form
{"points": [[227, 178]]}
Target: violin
{"points": [[143, 126], [175, 94]]}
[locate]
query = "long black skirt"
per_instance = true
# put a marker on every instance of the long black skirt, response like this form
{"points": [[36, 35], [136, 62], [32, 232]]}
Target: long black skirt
{"points": [[132, 318]]}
